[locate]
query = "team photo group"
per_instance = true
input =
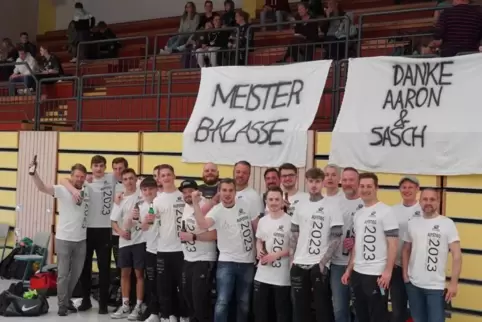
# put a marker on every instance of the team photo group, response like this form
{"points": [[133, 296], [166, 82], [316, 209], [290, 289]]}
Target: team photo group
{"points": [[329, 254]]}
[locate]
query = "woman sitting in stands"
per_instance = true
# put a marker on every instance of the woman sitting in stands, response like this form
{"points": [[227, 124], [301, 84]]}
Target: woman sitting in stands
{"points": [[189, 24], [212, 44], [302, 47]]}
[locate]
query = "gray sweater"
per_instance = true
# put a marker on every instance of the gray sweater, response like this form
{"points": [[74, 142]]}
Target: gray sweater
{"points": [[189, 25]]}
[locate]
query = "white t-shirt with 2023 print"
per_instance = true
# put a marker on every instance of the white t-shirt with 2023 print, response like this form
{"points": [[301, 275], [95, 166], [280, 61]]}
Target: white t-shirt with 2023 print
{"points": [[169, 206]]}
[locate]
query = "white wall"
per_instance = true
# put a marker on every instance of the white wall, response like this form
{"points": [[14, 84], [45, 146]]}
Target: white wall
{"points": [[17, 16], [112, 11]]}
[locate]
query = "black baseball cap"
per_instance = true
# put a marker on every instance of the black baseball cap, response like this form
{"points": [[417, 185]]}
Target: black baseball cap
{"points": [[188, 184]]}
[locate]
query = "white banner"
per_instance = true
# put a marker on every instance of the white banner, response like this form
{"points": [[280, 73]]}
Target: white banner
{"points": [[258, 113], [411, 116]]}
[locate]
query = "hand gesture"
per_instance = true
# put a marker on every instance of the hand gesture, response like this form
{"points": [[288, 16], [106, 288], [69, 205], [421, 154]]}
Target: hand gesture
{"points": [[196, 197], [184, 236], [451, 292], [348, 243], [384, 279], [269, 258]]}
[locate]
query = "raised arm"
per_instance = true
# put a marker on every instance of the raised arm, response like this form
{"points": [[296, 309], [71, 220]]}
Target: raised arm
{"points": [[202, 221], [41, 186]]}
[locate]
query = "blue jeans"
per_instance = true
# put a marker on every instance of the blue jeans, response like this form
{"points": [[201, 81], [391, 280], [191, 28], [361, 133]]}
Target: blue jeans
{"points": [[233, 277], [176, 41], [426, 305], [27, 80], [341, 294]]}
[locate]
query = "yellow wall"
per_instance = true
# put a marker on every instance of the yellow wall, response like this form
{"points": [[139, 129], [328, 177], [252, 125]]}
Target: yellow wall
{"points": [[46, 16], [462, 202], [250, 6]]}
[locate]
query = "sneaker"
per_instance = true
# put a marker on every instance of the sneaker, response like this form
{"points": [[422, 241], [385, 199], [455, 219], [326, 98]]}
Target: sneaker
{"points": [[153, 318], [85, 305], [63, 311], [71, 307], [103, 309], [135, 313], [165, 52], [165, 320], [121, 313], [73, 60], [145, 314], [184, 319], [172, 318]]}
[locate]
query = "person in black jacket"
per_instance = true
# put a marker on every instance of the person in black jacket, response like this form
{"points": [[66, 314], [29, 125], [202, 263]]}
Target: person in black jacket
{"points": [[105, 49], [228, 18], [216, 40], [25, 43], [246, 39], [50, 65], [83, 22], [302, 47]]}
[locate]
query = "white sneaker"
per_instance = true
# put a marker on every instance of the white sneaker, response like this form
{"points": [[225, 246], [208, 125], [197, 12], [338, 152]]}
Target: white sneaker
{"points": [[121, 313], [172, 318], [153, 318], [135, 313], [184, 319], [164, 320], [73, 60]]}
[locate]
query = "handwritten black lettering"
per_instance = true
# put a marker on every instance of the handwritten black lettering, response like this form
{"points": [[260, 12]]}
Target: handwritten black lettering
{"points": [[415, 86], [231, 131], [253, 97]]}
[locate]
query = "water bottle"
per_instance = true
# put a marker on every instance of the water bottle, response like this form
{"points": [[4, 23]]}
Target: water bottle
{"points": [[151, 212], [183, 229]]}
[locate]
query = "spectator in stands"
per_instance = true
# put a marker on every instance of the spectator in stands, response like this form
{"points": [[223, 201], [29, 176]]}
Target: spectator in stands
{"points": [[8, 54], [276, 11], [245, 39], [188, 25], [459, 29], [25, 43], [189, 58], [105, 49], [207, 15], [71, 37], [302, 47], [338, 30], [228, 19], [215, 41], [50, 64], [83, 22], [442, 4], [23, 72]]}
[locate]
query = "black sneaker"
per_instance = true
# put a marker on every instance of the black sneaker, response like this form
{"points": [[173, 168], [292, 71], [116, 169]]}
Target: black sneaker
{"points": [[71, 307], [103, 309], [144, 315], [63, 311], [85, 306]]}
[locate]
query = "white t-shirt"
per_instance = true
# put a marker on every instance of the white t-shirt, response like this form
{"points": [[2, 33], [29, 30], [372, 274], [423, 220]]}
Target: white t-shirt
{"points": [[315, 220], [348, 207], [197, 250], [101, 201], [123, 210], [276, 234], [119, 187], [403, 215], [295, 200], [430, 240], [252, 198], [370, 224], [236, 241], [169, 207], [72, 225]]}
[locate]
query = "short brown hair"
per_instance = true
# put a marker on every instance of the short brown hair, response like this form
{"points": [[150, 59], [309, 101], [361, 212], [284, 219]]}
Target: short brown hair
{"points": [[351, 169], [288, 166], [121, 160], [79, 167], [275, 189], [98, 159], [129, 170], [165, 166], [243, 14], [227, 181], [315, 173], [369, 175]]}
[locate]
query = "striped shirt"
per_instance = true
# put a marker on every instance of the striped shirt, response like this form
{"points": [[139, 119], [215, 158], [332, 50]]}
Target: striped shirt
{"points": [[460, 29]]}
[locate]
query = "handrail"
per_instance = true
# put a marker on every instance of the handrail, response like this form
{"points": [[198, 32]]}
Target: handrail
{"points": [[295, 22], [114, 40]]}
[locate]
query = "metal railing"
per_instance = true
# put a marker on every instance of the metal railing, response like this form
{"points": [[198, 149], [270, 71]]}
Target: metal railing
{"points": [[161, 96]]}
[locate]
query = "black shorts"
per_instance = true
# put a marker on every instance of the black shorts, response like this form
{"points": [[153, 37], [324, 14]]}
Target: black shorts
{"points": [[133, 256]]}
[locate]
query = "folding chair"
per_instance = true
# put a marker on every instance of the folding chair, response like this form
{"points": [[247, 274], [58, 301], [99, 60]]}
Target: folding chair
{"points": [[4, 229], [40, 245]]}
